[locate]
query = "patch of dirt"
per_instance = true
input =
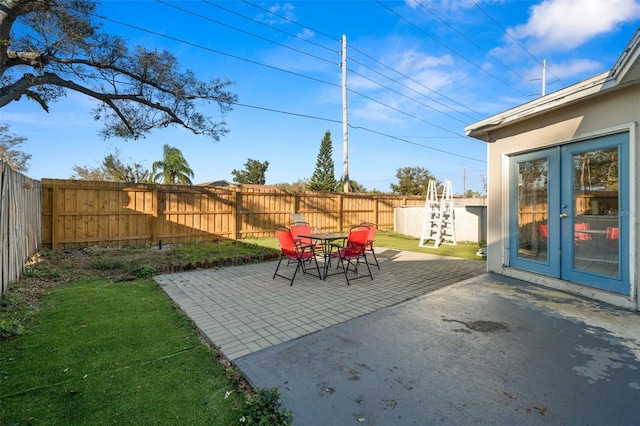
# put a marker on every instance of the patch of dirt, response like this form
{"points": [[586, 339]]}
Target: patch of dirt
{"points": [[481, 326], [50, 268]]}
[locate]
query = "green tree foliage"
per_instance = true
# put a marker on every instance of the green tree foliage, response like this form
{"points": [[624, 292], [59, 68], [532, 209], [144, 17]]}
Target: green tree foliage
{"points": [[473, 194], [299, 185], [50, 47], [120, 172], [253, 173], [15, 158], [414, 181], [112, 169], [173, 169], [91, 173], [323, 178], [354, 186]]}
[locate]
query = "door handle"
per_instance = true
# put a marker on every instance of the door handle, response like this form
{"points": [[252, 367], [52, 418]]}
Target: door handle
{"points": [[563, 215]]}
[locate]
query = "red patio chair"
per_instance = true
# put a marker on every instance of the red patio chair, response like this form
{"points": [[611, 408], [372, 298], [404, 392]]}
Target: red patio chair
{"points": [[613, 236], [294, 252], [582, 236], [543, 230], [373, 228], [543, 236], [304, 229], [353, 252], [612, 242]]}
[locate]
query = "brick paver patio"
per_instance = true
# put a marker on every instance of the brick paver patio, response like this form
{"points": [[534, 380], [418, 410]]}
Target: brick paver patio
{"points": [[241, 309]]}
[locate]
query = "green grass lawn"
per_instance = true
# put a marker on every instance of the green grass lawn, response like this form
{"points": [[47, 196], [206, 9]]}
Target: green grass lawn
{"points": [[463, 249], [97, 352]]}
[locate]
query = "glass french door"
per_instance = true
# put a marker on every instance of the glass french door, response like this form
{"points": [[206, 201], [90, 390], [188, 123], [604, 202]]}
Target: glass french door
{"points": [[569, 212]]}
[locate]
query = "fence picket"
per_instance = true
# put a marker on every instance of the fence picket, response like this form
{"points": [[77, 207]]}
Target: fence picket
{"points": [[20, 223]]}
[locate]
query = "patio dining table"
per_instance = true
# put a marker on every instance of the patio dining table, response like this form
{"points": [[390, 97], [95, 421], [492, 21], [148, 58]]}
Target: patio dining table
{"points": [[325, 239]]}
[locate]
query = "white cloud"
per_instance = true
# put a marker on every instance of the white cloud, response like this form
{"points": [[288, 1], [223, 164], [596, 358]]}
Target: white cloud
{"points": [[566, 24], [422, 71], [286, 11], [416, 62], [306, 34], [572, 68]]}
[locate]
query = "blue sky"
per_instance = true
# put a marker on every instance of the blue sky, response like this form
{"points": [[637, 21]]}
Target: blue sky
{"points": [[418, 73]]}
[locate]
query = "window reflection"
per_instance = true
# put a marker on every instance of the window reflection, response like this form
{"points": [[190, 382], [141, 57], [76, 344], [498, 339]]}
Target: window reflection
{"points": [[533, 209], [596, 216]]}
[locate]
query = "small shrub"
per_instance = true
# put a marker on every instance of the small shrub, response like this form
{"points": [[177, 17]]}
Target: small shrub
{"points": [[108, 264], [235, 376], [145, 271], [10, 326], [11, 301], [42, 270], [45, 252], [263, 408]]}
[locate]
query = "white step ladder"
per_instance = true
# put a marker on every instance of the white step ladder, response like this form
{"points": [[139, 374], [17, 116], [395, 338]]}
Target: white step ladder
{"points": [[438, 225], [447, 216], [431, 223]]}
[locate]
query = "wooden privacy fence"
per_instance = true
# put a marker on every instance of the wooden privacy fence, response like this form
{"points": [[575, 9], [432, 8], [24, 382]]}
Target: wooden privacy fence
{"points": [[20, 228], [81, 213]]}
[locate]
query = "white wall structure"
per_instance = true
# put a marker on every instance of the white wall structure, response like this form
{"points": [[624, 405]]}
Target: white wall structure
{"points": [[470, 222]]}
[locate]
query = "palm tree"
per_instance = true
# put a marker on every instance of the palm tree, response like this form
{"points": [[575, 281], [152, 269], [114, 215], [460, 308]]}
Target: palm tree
{"points": [[173, 169]]}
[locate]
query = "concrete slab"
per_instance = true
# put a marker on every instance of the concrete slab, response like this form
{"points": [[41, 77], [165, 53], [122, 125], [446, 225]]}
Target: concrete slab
{"points": [[483, 351]]}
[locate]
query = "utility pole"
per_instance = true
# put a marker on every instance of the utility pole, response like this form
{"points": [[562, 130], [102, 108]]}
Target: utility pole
{"points": [[543, 91], [544, 77], [345, 125], [464, 182]]}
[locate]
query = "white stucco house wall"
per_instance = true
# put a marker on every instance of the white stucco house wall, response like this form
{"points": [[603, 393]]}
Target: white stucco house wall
{"points": [[563, 180]]}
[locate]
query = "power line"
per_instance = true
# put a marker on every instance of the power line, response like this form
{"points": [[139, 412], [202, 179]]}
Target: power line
{"points": [[361, 128], [214, 50], [290, 20], [299, 75], [409, 88], [255, 62], [418, 83], [243, 31], [375, 60], [417, 144], [448, 48], [288, 113], [268, 26], [511, 37], [375, 82], [405, 96], [472, 42], [402, 112]]}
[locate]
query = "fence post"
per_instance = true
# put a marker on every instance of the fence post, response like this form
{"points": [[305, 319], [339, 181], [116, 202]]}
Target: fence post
{"points": [[54, 216], [154, 218], [375, 209], [236, 216], [340, 212]]}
